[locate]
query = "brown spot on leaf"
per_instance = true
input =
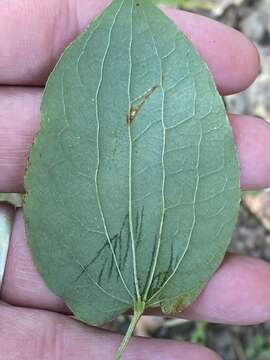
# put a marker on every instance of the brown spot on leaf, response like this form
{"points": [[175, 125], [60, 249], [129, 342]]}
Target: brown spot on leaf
{"points": [[179, 305], [134, 110], [176, 305]]}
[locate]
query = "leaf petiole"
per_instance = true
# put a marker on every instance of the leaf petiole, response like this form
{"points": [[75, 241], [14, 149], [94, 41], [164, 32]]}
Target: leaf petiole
{"points": [[138, 311]]}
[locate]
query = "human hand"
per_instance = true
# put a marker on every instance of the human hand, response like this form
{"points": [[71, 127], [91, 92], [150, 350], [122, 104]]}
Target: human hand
{"points": [[36, 325]]}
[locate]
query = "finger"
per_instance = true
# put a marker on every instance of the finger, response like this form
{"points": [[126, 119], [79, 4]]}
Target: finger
{"points": [[33, 334], [19, 122], [34, 43], [238, 291], [237, 287], [252, 138]]}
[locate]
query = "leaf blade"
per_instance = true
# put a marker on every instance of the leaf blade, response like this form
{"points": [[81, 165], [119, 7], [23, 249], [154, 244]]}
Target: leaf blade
{"points": [[134, 172]]}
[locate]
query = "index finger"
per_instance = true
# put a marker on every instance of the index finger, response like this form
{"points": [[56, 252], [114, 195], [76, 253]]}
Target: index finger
{"points": [[33, 34]]}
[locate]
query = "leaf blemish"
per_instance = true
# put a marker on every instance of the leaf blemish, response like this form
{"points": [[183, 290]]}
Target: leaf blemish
{"points": [[134, 110]]}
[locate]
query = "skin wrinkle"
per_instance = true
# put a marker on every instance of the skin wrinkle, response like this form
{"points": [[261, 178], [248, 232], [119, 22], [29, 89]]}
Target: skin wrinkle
{"points": [[16, 139], [54, 44], [53, 338], [63, 18], [75, 11]]}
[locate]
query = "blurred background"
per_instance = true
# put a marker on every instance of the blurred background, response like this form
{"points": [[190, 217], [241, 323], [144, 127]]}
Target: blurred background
{"points": [[252, 234]]}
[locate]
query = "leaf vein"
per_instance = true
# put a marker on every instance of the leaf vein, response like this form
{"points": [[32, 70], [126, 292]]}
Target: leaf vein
{"points": [[194, 209], [136, 281]]}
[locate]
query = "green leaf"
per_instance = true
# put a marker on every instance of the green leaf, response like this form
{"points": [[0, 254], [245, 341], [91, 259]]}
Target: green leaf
{"points": [[133, 180]]}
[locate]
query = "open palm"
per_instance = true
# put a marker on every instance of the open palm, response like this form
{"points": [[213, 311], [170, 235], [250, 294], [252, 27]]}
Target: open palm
{"points": [[35, 324]]}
